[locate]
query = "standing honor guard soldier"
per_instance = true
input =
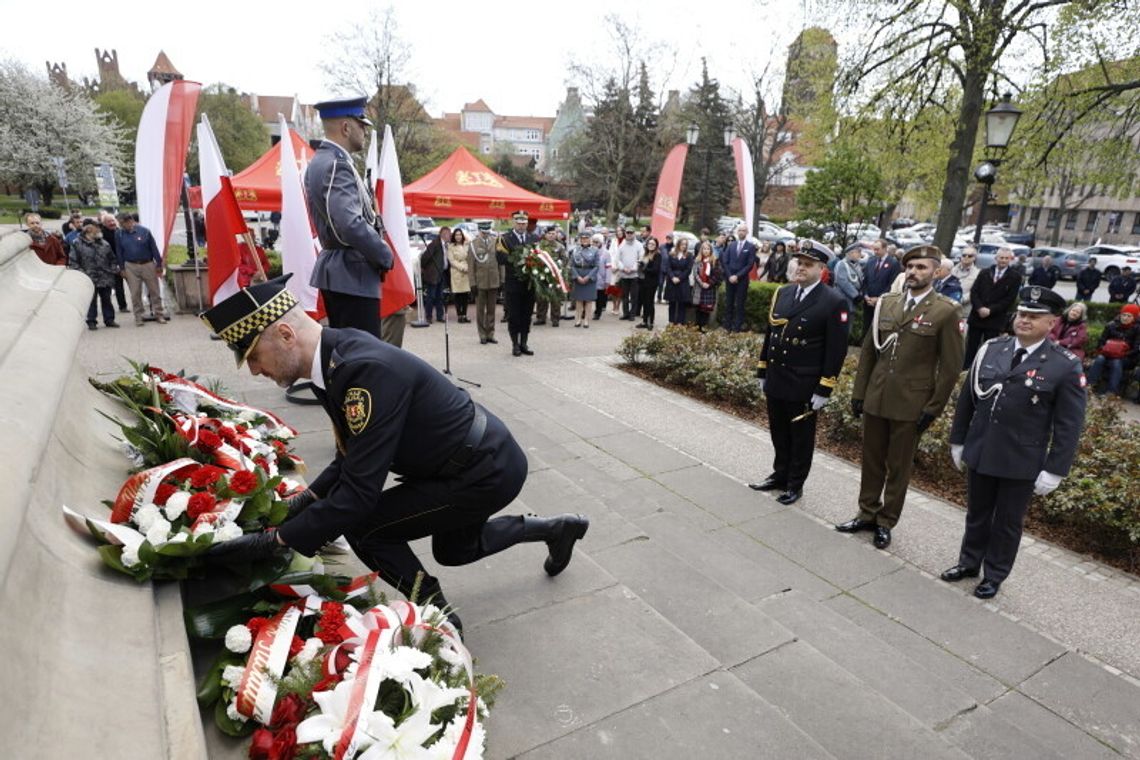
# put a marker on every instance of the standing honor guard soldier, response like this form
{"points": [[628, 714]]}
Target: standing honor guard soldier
{"points": [[391, 412], [799, 366], [518, 293], [909, 364], [354, 256], [1016, 429]]}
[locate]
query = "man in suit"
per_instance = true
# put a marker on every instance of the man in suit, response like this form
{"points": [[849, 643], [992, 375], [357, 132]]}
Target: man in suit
{"points": [[354, 256], [391, 412], [907, 368], [946, 283], [991, 299], [518, 292], [737, 262], [798, 369], [1016, 429], [433, 269], [879, 273]]}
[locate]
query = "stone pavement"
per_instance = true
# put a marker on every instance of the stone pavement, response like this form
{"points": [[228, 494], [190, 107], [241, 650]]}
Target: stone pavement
{"points": [[700, 617]]}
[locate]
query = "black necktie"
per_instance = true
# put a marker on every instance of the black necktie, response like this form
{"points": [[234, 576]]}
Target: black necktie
{"points": [[799, 294], [910, 304], [1018, 355]]}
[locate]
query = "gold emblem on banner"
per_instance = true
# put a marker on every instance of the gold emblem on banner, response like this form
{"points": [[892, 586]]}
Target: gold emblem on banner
{"points": [[442, 201], [497, 204], [666, 202], [546, 207], [245, 194], [357, 409]]}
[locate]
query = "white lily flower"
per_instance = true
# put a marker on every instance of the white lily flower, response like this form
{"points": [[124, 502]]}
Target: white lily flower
{"points": [[325, 727], [403, 742], [176, 504], [203, 528], [179, 538], [429, 696]]}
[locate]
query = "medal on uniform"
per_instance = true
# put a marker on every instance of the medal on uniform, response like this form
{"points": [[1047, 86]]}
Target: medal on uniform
{"points": [[1034, 399], [1028, 382]]}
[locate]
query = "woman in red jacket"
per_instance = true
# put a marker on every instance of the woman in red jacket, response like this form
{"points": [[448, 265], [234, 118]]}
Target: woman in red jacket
{"points": [[1071, 330]]}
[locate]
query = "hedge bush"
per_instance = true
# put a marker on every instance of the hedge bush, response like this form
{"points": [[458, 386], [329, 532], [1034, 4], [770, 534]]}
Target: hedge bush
{"points": [[1098, 499]]}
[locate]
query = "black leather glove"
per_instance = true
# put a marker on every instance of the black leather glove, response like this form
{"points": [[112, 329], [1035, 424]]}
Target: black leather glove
{"points": [[857, 407], [299, 502], [924, 421], [248, 548]]}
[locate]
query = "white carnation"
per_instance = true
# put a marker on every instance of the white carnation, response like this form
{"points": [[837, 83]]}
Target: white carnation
{"points": [[158, 532], [249, 415], [238, 639], [227, 532], [145, 516], [130, 556], [179, 537], [203, 528], [231, 675], [309, 651], [233, 714], [176, 504]]}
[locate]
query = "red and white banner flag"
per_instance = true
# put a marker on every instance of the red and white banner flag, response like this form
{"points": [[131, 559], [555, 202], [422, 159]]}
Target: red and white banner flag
{"points": [[667, 199], [224, 221], [399, 289], [160, 155], [299, 245], [745, 181]]}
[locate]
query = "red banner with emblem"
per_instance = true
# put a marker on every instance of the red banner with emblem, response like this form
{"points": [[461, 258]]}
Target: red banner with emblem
{"points": [[667, 201]]}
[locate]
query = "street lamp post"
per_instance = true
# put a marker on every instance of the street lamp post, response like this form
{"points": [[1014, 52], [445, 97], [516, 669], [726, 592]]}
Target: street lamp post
{"points": [[1001, 120], [692, 134]]}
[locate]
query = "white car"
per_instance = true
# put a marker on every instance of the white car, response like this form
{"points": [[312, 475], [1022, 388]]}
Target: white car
{"points": [[1110, 259], [863, 232], [773, 233]]}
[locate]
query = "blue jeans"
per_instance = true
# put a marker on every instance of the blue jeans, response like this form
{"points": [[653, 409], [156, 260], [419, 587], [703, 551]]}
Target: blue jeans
{"points": [[1115, 372], [433, 298]]}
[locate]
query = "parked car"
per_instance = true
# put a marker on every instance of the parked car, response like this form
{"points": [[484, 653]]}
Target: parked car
{"points": [[864, 231], [1111, 258], [773, 233], [901, 223], [1022, 238], [1072, 263], [728, 224], [1057, 254], [420, 222]]}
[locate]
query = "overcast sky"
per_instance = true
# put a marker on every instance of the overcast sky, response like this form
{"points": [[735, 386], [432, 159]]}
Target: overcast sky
{"points": [[514, 56]]}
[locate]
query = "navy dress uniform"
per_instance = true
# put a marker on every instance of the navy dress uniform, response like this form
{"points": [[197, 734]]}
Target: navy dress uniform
{"points": [[457, 463], [802, 355], [518, 293], [1016, 430], [354, 256]]}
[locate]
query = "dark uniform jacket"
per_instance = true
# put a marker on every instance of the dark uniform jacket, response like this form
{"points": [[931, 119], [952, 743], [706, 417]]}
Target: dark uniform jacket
{"points": [[805, 344], [1120, 288], [1033, 423], [997, 296], [353, 253], [905, 376], [432, 262], [510, 243], [391, 412]]}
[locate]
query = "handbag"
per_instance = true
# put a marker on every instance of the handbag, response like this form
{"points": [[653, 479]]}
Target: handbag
{"points": [[1114, 349]]}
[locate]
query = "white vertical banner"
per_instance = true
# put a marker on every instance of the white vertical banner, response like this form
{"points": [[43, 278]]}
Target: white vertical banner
{"points": [[299, 246]]}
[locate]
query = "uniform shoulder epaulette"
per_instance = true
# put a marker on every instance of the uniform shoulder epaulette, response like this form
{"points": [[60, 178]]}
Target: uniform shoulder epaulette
{"points": [[1063, 351], [886, 296], [947, 300], [998, 340]]}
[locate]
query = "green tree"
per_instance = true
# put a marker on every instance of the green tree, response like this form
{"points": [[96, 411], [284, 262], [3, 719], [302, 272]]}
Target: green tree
{"points": [[767, 130], [844, 187], [241, 136], [599, 159], [710, 175], [126, 107], [504, 165]]}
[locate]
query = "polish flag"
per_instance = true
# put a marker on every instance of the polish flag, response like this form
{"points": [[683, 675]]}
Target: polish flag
{"points": [[160, 155], [224, 221], [398, 289], [299, 245]]}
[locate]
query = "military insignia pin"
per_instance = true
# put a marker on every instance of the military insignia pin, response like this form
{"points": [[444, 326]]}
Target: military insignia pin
{"points": [[357, 409], [1035, 293]]}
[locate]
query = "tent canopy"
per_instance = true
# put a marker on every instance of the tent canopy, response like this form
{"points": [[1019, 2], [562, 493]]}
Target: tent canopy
{"points": [[463, 186], [258, 187]]}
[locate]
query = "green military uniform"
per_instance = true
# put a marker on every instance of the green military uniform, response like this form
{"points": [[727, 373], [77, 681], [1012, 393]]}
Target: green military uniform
{"points": [[908, 366]]}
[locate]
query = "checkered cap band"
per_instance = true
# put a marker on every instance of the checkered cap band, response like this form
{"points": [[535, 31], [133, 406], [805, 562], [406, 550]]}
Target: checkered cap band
{"points": [[240, 334]]}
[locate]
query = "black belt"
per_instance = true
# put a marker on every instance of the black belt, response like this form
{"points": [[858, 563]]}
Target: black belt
{"points": [[462, 456]]}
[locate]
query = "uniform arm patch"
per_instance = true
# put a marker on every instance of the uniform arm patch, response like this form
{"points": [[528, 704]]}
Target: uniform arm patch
{"points": [[357, 409]]}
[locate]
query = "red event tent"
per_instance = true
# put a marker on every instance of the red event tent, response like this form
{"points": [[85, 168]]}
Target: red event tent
{"points": [[258, 187], [463, 186]]}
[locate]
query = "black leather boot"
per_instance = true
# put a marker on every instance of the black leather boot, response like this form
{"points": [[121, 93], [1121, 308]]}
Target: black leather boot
{"points": [[515, 350], [523, 346], [430, 593], [559, 533]]}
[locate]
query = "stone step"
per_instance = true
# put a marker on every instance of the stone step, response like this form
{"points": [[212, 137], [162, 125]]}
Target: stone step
{"points": [[839, 711]]}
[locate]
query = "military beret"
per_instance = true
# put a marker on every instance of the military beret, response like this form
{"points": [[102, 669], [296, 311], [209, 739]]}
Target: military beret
{"points": [[240, 319], [923, 252], [1039, 300], [344, 108]]}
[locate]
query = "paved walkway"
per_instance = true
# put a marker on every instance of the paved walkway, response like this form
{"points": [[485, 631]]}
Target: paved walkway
{"points": [[700, 617]]}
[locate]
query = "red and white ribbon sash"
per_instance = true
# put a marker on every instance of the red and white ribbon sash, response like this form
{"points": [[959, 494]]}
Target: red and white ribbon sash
{"points": [[141, 487], [555, 270], [257, 690], [173, 384], [380, 624]]}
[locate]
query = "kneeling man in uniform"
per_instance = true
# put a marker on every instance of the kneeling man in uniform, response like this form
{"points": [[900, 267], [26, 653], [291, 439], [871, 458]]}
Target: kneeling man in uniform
{"points": [[391, 412], [1016, 429]]}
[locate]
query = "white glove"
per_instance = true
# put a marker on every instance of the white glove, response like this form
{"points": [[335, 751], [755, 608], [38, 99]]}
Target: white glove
{"points": [[763, 381], [956, 455], [1046, 483], [818, 402]]}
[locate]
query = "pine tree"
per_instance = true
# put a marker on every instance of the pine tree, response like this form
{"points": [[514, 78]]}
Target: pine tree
{"points": [[710, 112]]}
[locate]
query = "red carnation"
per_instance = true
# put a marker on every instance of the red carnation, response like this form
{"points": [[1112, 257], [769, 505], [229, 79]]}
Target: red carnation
{"points": [[255, 625], [288, 712], [243, 481], [208, 440], [261, 462], [332, 618], [295, 646], [164, 492], [327, 683], [200, 504], [205, 476], [184, 472]]}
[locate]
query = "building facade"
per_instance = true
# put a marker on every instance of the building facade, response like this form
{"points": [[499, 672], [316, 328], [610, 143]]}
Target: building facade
{"points": [[483, 131]]}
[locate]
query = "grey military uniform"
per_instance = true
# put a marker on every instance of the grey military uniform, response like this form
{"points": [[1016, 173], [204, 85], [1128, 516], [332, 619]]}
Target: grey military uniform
{"points": [[353, 252]]}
